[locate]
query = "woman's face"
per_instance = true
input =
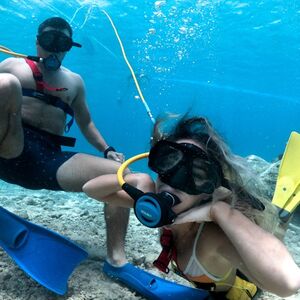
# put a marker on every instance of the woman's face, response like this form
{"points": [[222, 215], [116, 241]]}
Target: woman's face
{"points": [[187, 201]]}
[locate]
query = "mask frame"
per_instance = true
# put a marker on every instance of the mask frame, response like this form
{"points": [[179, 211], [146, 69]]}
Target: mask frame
{"points": [[56, 41], [175, 165]]}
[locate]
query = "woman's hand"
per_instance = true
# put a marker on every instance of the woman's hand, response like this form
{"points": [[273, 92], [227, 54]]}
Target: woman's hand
{"points": [[222, 194], [202, 213], [197, 214]]}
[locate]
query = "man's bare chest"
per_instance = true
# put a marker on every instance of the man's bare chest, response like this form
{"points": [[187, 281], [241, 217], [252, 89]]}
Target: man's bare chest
{"points": [[59, 86]]}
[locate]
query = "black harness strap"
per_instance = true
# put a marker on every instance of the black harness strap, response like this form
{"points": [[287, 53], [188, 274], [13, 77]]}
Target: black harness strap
{"points": [[57, 139], [48, 99], [51, 100]]}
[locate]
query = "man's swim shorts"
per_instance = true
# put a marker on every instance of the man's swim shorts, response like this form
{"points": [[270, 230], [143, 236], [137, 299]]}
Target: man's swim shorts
{"points": [[36, 167]]}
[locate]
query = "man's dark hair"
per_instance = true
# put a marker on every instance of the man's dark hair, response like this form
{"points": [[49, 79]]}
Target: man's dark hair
{"points": [[57, 23]]}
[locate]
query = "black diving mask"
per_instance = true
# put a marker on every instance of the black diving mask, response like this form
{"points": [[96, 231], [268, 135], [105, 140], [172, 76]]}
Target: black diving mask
{"points": [[56, 41], [185, 167]]}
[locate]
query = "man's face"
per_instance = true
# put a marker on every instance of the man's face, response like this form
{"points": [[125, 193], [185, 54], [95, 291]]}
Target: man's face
{"points": [[52, 38]]}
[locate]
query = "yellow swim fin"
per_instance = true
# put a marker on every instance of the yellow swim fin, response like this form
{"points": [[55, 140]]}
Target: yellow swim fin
{"points": [[287, 192]]}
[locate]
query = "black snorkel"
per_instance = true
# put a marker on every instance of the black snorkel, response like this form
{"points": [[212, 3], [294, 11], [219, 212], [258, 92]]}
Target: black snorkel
{"points": [[152, 210]]}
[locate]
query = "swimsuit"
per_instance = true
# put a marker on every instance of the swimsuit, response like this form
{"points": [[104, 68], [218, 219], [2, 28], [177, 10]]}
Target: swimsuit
{"points": [[37, 165], [195, 273]]}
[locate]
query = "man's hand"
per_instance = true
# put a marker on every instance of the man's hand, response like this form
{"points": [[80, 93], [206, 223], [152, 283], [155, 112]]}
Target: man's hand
{"points": [[116, 156]]}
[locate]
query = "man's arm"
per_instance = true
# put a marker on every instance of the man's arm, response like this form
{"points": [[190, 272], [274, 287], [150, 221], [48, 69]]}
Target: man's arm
{"points": [[86, 124], [84, 120]]}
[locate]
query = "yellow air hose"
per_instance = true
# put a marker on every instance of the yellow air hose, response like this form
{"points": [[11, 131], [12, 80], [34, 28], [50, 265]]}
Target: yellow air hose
{"points": [[130, 68], [15, 54], [10, 52], [126, 163]]}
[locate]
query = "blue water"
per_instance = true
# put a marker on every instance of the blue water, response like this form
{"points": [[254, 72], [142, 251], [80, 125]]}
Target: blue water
{"points": [[237, 62]]}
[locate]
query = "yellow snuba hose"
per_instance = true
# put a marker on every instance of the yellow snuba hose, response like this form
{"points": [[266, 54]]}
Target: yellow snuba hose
{"points": [[126, 163], [8, 51], [149, 113]]}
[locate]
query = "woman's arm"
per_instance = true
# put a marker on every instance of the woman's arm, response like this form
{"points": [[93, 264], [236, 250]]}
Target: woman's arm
{"points": [[265, 259], [107, 189], [262, 257]]}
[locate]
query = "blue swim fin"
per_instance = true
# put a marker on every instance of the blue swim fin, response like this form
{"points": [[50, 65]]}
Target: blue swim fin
{"points": [[44, 255], [150, 286]]}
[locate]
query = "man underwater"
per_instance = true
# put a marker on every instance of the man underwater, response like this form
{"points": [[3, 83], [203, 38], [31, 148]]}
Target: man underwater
{"points": [[35, 99]]}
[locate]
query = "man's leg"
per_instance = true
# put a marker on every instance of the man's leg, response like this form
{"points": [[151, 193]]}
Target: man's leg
{"points": [[11, 131], [116, 219], [80, 168], [73, 174]]}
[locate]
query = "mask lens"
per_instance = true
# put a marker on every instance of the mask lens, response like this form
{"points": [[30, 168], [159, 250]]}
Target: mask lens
{"points": [[63, 43], [204, 176], [54, 41], [47, 40], [198, 171], [163, 157]]}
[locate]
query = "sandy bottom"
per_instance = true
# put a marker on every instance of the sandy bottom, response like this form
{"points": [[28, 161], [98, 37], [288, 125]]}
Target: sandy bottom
{"points": [[81, 219]]}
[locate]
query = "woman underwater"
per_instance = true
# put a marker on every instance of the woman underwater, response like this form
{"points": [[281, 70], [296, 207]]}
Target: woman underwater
{"points": [[226, 235]]}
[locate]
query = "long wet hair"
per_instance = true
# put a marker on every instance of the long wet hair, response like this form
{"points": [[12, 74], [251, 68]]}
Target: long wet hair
{"points": [[247, 190]]}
